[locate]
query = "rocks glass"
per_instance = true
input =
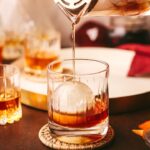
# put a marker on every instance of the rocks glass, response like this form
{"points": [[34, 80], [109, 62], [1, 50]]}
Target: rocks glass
{"points": [[78, 104], [41, 48], [10, 105]]}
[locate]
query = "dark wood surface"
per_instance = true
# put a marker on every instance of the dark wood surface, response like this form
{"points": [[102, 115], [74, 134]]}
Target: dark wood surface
{"points": [[23, 135]]}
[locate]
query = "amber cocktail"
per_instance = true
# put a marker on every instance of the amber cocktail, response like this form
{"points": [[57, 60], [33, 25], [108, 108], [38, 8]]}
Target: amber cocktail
{"points": [[40, 50], [78, 102], [10, 105]]}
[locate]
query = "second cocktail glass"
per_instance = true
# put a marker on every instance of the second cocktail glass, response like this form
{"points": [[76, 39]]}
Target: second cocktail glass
{"points": [[41, 48]]}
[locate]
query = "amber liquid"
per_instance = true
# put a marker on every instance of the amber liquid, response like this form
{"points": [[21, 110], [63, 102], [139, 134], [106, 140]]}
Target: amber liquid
{"points": [[10, 107], [133, 8], [123, 8], [39, 60], [91, 118]]}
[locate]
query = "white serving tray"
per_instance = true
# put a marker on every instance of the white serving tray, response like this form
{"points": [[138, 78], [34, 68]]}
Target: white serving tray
{"points": [[119, 84]]}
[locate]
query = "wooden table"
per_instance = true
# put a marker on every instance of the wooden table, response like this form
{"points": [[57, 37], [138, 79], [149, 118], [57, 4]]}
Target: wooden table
{"points": [[23, 135]]}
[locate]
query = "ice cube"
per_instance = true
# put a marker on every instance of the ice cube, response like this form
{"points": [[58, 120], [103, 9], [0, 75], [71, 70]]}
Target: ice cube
{"points": [[73, 97]]}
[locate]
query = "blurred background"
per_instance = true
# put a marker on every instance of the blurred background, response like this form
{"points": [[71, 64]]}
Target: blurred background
{"points": [[19, 18]]}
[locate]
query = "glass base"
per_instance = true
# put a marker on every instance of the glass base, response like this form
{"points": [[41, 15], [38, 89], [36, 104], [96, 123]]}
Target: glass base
{"points": [[84, 139], [79, 135], [10, 116]]}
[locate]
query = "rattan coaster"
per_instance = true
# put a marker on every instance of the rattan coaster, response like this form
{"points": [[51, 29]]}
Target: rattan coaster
{"points": [[52, 142]]}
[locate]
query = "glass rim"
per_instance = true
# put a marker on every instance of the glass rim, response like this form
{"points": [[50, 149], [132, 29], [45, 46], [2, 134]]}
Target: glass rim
{"points": [[78, 59], [15, 68]]}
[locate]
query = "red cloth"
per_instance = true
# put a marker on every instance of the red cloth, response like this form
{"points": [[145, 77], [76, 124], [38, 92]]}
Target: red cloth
{"points": [[101, 35], [141, 62]]}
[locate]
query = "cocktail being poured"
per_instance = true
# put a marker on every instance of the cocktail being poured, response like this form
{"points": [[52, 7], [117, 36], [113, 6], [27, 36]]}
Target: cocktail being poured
{"points": [[78, 107], [78, 100], [75, 9]]}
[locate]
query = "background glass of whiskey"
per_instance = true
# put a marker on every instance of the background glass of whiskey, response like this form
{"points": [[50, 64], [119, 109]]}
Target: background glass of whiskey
{"points": [[10, 105], [41, 48], [78, 104]]}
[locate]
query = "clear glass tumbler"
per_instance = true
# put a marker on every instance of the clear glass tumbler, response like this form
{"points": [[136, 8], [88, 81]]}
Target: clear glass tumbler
{"points": [[78, 104], [10, 105], [41, 48]]}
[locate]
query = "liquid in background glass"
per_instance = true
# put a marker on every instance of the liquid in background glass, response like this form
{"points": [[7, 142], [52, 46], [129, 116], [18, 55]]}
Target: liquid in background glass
{"points": [[10, 105], [41, 48], [119, 7]]}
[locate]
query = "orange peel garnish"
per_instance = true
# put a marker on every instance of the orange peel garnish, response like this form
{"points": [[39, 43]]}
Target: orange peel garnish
{"points": [[145, 125], [138, 132]]}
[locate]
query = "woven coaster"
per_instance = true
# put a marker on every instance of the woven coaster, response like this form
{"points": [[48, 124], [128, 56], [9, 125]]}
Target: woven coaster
{"points": [[52, 142]]}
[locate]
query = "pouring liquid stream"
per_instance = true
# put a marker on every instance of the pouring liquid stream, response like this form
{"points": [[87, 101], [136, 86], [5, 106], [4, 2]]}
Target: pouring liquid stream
{"points": [[73, 47], [74, 11]]}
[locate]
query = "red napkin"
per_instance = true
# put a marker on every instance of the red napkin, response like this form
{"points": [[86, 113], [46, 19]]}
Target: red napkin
{"points": [[93, 34], [141, 62]]}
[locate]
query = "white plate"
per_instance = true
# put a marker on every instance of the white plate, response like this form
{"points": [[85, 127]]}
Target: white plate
{"points": [[119, 60]]}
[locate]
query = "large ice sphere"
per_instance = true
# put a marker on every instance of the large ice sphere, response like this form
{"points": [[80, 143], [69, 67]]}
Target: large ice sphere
{"points": [[73, 97]]}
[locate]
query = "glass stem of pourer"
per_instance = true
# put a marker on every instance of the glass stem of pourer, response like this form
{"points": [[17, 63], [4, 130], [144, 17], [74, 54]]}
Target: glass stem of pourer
{"points": [[73, 46]]}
